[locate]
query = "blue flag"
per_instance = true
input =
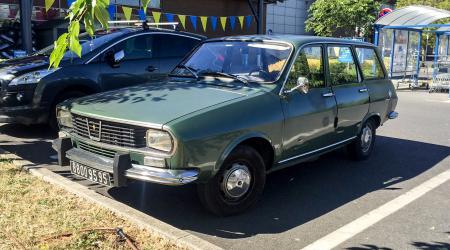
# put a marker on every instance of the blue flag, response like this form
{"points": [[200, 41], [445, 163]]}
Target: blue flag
{"points": [[142, 15], [70, 2], [112, 11], [193, 21], [170, 17], [248, 21], [232, 22], [213, 23]]}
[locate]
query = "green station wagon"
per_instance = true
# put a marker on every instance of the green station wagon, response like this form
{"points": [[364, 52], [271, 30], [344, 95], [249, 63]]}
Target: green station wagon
{"points": [[234, 110]]}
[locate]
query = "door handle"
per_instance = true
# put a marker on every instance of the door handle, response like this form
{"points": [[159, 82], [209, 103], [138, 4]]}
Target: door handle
{"points": [[329, 94], [363, 90], [151, 68]]}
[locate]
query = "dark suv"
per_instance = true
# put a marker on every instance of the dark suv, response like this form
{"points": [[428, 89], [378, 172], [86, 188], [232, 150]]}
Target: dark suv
{"points": [[119, 58]]}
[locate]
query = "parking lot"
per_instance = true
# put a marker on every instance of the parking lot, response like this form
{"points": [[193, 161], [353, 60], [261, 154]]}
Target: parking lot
{"points": [[310, 201]]}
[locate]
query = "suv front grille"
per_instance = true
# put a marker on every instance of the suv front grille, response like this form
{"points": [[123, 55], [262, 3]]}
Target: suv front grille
{"points": [[122, 135]]}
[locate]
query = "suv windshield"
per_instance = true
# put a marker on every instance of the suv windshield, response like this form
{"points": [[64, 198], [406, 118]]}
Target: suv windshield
{"points": [[88, 44], [244, 61]]}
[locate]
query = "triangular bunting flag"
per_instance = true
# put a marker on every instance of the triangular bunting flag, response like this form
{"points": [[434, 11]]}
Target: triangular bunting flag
{"points": [[241, 21], [214, 23], [70, 2], [223, 21], [156, 16], [112, 11], [182, 20], [170, 17], [126, 12], [142, 15], [248, 21], [204, 20], [193, 21], [232, 22]]}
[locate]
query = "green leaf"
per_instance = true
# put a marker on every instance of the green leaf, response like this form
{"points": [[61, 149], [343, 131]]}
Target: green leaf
{"points": [[75, 46], [102, 15], [74, 29], [59, 50], [145, 3], [48, 4]]}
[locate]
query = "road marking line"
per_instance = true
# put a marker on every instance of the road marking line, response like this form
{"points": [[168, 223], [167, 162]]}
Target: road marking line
{"points": [[353, 228]]}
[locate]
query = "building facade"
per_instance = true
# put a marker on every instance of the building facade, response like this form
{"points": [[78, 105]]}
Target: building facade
{"points": [[288, 17]]}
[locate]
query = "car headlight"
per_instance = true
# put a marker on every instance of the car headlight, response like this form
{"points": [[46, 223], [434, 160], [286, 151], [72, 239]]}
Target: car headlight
{"points": [[64, 118], [159, 140], [31, 77]]}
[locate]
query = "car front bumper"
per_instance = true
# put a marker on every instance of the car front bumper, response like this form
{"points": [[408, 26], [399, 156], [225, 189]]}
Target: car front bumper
{"points": [[121, 167]]}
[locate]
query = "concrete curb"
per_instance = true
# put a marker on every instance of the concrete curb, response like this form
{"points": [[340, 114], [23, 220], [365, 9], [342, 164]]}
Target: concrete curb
{"points": [[138, 218]]}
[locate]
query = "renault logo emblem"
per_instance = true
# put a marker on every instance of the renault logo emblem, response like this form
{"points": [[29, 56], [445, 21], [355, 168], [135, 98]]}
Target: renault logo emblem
{"points": [[94, 130]]}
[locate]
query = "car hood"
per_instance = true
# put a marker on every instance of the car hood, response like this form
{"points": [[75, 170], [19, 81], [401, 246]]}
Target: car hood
{"points": [[155, 104], [22, 65]]}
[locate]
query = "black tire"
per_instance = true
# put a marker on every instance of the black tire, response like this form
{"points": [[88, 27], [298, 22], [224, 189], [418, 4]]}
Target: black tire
{"points": [[220, 201], [361, 148], [61, 98]]}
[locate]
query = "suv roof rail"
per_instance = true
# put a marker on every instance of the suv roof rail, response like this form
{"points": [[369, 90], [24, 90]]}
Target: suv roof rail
{"points": [[145, 24]]}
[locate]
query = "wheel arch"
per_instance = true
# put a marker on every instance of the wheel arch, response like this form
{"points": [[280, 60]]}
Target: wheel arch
{"points": [[376, 117]]}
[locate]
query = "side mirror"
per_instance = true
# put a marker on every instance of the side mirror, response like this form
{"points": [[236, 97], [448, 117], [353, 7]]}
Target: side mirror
{"points": [[302, 85], [114, 59]]}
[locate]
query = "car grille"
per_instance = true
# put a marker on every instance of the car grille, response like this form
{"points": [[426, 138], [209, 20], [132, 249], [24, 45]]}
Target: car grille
{"points": [[111, 133], [96, 150]]}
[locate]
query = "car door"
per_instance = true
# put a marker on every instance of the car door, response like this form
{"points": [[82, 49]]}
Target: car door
{"points": [[350, 92], [138, 65], [309, 117], [172, 48]]}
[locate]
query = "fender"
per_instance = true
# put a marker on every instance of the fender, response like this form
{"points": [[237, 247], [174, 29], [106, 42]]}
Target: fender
{"points": [[238, 141], [368, 116]]}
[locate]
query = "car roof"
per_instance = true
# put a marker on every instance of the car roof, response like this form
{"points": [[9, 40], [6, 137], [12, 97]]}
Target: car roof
{"points": [[296, 40], [134, 30]]}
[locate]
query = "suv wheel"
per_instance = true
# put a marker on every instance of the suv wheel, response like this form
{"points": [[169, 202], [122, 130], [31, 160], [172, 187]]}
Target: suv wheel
{"points": [[362, 147], [61, 98], [237, 186]]}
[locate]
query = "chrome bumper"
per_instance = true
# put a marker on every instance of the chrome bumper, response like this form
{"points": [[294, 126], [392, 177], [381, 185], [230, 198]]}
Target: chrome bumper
{"points": [[168, 177], [392, 115]]}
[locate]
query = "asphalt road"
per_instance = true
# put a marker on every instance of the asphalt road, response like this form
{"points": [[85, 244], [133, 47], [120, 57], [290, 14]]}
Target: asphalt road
{"points": [[307, 202]]}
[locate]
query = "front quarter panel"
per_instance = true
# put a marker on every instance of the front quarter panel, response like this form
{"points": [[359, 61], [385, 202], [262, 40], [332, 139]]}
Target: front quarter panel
{"points": [[206, 137]]}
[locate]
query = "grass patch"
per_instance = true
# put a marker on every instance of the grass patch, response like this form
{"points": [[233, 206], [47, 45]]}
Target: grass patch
{"points": [[36, 215]]}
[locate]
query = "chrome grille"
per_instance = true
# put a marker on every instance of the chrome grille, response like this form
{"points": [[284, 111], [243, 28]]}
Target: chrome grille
{"points": [[111, 133], [96, 150]]}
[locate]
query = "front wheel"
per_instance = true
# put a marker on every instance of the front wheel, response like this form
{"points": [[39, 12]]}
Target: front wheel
{"points": [[237, 186], [362, 147]]}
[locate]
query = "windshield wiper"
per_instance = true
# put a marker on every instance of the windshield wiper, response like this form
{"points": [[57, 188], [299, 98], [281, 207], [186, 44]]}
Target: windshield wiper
{"points": [[235, 77], [190, 69]]}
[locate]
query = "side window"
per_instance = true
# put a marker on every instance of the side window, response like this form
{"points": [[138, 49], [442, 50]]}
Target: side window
{"points": [[135, 48], [370, 64], [174, 45], [342, 66], [309, 64]]}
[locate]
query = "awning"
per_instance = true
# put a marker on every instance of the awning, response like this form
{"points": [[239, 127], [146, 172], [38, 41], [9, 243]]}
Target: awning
{"points": [[415, 16]]}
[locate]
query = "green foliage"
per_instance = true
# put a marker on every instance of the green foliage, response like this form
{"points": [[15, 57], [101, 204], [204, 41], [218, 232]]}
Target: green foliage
{"points": [[87, 11], [343, 17]]}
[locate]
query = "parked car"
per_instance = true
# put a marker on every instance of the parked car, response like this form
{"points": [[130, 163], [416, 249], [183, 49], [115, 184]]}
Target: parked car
{"points": [[233, 111], [119, 58]]}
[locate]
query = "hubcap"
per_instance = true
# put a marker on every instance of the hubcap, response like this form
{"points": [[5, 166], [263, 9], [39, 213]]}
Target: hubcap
{"points": [[236, 181], [366, 138]]}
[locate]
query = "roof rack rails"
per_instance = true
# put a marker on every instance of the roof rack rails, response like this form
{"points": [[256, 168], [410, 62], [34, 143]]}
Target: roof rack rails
{"points": [[145, 24]]}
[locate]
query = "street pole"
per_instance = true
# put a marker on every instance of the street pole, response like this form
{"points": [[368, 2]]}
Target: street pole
{"points": [[260, 17], [25, 25]]}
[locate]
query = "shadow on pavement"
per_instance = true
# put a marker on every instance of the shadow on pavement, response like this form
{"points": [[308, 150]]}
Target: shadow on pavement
{"points": [[293, 196]]}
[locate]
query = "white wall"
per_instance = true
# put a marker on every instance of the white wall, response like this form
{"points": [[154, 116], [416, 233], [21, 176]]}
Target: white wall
{"points": [[288, 17]]}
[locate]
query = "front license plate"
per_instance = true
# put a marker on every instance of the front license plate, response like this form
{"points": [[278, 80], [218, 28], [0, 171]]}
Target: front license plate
{"points": [[91, 174]]}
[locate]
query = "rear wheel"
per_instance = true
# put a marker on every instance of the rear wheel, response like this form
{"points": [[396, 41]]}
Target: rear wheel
{"points": [[61, 98], [362, 147], [237, 186]]}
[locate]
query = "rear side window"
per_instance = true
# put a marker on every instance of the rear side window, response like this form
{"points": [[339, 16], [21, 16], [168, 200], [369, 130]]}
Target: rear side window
{"points": [[370, 64], [174, 45], [342, 65]]}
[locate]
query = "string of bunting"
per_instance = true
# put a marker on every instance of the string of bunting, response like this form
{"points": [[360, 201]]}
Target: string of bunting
{"points": [[212, 21]]}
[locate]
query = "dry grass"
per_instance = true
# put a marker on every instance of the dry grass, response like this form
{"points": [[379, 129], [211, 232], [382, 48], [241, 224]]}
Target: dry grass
{"points": [[31, 211]]}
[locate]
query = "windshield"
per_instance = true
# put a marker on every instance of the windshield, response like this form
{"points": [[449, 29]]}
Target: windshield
{"points": [[88, 44], [245, 61]]}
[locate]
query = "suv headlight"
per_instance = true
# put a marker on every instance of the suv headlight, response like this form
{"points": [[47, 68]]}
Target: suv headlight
{"points": [[159, 140], [64, 118], [31, 77]]}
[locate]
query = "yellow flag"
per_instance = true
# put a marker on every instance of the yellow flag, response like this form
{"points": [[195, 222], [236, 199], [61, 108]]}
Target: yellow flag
{"points": [[182, 20], [126, 12], [156, 16], [241, 21], [223, 21], [204, 20]]}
